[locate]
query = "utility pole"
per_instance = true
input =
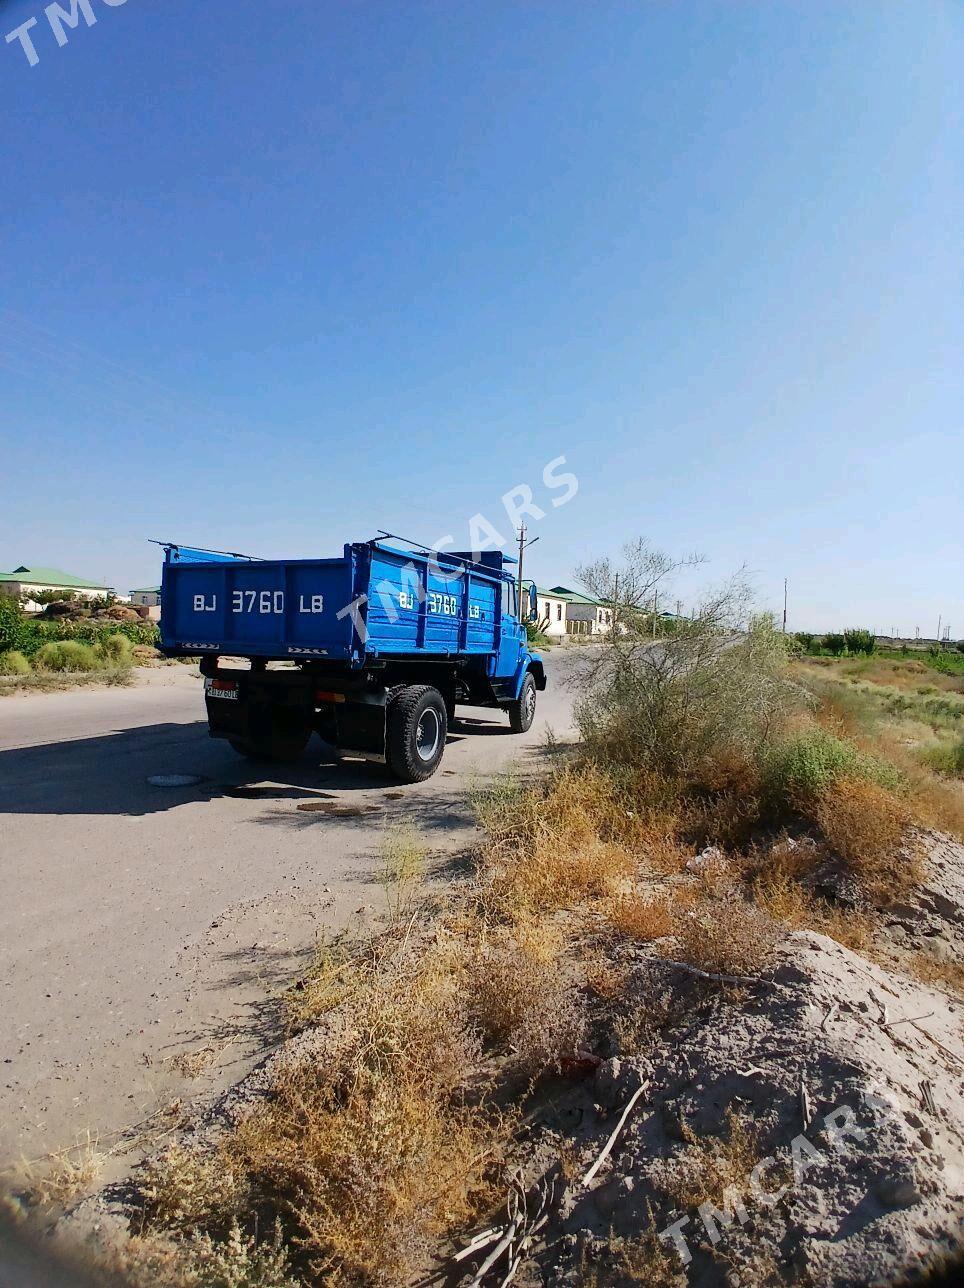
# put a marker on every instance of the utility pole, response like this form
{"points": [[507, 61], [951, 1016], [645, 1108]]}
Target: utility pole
{"points": [[939, 618], [523, 546], [655, 610], [784, 605]]}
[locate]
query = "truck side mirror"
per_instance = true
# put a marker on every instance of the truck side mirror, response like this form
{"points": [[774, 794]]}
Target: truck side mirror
{"points": [[533, 603]]}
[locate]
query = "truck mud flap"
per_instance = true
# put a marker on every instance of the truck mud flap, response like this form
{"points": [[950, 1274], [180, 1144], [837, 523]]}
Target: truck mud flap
{"points": [[356, 725]]}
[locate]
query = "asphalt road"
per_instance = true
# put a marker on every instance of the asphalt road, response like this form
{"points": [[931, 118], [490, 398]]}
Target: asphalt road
{"points": [[140, 924]]}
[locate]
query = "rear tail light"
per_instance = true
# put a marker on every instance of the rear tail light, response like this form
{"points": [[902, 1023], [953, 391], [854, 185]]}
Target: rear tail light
{"points": [[322, 695]]}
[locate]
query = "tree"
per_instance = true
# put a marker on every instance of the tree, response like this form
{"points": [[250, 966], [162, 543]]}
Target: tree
{"points": [[859, 641], [632, 588], [835, 644], [12, 624], [52, 596]]}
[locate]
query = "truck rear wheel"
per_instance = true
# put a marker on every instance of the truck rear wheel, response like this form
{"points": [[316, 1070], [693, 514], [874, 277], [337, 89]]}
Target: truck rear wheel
{"points": [[522, 712], [415, 736]]}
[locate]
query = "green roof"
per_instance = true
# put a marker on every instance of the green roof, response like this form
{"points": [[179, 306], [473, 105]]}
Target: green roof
{"points": [[50, 577], [147, 590], [573, 596]]}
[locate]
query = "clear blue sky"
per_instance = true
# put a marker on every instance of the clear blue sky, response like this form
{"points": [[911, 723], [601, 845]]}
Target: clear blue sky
{"points": [[279, 273]]}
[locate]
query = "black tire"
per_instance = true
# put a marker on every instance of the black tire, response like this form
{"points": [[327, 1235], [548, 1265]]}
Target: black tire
{"points": [[415, 737], [523, 711]]}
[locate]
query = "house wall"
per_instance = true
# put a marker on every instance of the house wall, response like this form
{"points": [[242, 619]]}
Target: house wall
{"points": [[25, 587], [588, 619], [148, 597], [552, 616]]}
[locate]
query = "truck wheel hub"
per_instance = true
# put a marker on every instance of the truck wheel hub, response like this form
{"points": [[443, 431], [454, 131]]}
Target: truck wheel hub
{"points": [[427, 734]]}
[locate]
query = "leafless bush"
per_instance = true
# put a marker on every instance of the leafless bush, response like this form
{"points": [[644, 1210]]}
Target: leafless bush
{"points": [[523, 995], [718, 681]]}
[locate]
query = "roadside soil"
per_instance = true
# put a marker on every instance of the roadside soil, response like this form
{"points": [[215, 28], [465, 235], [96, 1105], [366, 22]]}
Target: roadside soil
{"points": [[146, 933]]}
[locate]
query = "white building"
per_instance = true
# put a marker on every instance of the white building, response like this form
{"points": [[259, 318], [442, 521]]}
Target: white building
{"points": [[23, 580], [563, 612], [149, 598]]}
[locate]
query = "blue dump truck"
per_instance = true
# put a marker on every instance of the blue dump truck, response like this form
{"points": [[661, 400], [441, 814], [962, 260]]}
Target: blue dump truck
{"points": [[381, 644]]}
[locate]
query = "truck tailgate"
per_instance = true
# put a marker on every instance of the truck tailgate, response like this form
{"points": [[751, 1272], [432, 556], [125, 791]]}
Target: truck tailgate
{"points": [[261, 608]]}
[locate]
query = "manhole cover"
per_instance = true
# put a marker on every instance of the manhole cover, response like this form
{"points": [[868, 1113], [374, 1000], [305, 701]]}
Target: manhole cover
{"points": [[174, 780]]}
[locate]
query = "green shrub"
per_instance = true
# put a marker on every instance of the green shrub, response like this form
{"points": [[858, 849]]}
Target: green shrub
{"points": [[947, 759], [835, 644], [707, 689], [12, 623], [117, 650], [859, 641], [67, 655], [806, 640], [94, 632], [804, 766], [29, 635], [13, 662]]}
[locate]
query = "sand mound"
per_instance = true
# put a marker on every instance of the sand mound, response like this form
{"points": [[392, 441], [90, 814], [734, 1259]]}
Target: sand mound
{"points": [[812, 1132]]}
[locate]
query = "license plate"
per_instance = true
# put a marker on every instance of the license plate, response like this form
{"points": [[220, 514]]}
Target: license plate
{"points": [[221, 689]]}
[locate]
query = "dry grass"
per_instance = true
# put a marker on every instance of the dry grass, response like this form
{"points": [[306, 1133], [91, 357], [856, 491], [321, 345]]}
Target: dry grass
{"points": [[868, 826], [381, 1136], [191, 1064], [186, 1190], [707, 1166], [55, 682], [642, 1260], [557, 845], [238, 1260], [704, 1170], [641, 917], [934, 800], [335, 972], [948, 976], [890, 713], [728, 936], [775, 877], [70, 1174], [522, 994], [374, 1144], [403, 870]]}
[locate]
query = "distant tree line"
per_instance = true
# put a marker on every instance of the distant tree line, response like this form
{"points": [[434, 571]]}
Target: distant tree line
{"points": [[856, 642]]}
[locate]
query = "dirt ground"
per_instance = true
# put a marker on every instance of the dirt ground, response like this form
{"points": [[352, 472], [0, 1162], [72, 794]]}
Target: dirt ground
{"points": [[145, 932]]}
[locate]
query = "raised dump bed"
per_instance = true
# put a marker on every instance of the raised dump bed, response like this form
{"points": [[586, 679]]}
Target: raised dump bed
{"points": [[363, 632]]}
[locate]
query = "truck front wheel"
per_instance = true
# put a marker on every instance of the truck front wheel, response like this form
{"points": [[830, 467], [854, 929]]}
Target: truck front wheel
{"points": [[415, 735], [522, 712]]}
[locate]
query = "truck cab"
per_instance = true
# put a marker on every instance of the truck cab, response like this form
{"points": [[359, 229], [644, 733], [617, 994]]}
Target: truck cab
{"points": [[373, 650]]}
